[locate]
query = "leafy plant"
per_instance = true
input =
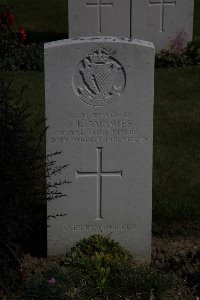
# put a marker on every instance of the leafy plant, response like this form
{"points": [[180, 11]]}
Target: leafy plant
{"points": [[180, 53], [168, 59], [14, 53], [53, 284], [20, 168], [96, 268], [24, 168], [98, 258], [107, 270]]}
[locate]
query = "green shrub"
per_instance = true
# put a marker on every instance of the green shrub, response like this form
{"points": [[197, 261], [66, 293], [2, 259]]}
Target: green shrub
{"points": [[180, 53], [15, 56], [99, 249], [96, 268], [99, 258], [106, 269], [24, 169], [168, 59], [14, 53], [21, 186]]}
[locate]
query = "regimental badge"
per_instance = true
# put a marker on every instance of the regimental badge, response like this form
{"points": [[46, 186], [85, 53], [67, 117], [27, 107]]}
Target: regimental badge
{"points": [[100, 79]]}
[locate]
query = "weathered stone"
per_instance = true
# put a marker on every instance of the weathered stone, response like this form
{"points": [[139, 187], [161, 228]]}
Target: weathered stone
{"points": [[99, 108], [99, 17], [158, 21], [161, 21]]}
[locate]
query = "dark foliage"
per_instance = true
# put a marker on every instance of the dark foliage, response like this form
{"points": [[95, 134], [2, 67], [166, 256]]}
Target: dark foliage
{"points": [[52, 284], [23, 189], [17, 56], [96, 268], [193, 51], [185, 57], [169, 59], [22, 184], [14, 53], [29, 57], [102, 268]]}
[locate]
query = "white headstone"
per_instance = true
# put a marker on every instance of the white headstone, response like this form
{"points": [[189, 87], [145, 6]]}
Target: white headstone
{"points": [[161, 21], [158, 21], [99, 106], [99, 18]]}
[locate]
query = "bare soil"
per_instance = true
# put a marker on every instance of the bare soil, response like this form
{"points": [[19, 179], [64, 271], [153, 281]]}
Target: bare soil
{"points": [[176, 249]]}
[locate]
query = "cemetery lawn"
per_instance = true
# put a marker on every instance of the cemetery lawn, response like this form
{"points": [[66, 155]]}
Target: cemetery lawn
{"points": [[40, 16], [176, 180], [176, 172]]}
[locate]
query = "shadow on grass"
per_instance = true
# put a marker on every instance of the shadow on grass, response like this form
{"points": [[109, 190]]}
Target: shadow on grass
{"points": [[39, 37]]}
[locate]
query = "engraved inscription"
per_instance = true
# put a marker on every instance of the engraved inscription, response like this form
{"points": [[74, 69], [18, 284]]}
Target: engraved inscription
{"points": [[100, 79], [100, 127], [99, 174], [99, 5], [162, 4], [110, 227]]}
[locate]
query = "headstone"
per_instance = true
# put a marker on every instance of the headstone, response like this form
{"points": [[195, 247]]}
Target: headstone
{"points": [[158, 21], [99, 18], [161, 21], [99, 108]]}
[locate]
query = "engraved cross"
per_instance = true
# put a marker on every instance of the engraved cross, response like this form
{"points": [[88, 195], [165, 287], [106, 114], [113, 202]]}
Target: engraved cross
{"points": [[98, 4], [162, 4], [99, 174]]}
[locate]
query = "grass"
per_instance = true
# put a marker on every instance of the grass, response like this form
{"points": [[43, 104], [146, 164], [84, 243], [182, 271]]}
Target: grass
{"points": [[176, 183], [47, 16]]}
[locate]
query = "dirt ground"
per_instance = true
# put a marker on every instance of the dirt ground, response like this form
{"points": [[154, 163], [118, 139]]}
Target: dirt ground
{"points": [[176, 249]]}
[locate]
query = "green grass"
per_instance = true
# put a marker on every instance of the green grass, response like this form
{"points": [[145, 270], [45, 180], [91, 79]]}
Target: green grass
{"points": [[40, 15], [176, 183]]}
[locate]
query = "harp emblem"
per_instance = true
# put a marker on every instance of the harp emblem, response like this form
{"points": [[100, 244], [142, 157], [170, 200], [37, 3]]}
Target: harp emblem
{"points": [[100, 79]]}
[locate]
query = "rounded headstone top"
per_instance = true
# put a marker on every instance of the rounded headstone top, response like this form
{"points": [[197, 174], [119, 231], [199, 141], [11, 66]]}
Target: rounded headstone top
{"points": [[99, 40]]}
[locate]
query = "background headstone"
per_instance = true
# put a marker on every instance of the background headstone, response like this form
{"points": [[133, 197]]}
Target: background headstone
{"points": [[160, 21], [99, 17], [99, 106]]}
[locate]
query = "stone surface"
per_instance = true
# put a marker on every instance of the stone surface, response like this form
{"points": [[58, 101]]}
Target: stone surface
{"points": [[99, 106], [99, 17], [160, 21]]}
